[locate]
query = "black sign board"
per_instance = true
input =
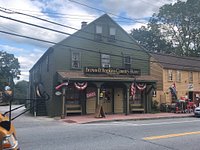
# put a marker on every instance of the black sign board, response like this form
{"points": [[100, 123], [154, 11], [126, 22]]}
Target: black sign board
{"points": [[113, 71]]}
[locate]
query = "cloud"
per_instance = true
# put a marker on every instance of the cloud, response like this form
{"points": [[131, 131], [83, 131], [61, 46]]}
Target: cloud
{"points": [[66, 13]]}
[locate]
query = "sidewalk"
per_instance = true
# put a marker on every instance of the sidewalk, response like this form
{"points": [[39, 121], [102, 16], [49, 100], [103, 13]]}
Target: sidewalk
{"points": [[120, 117]]}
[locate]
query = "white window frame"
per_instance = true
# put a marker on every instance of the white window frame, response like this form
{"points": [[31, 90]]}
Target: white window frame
{"points": [[112, 34], [178, 75], [127, 63], [99, 29], [170, 75], [105, 61], [199, 77], [76, 58], [190, 77]]}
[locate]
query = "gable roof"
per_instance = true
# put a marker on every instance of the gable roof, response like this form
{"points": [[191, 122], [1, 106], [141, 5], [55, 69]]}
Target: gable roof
{"points": [[177, 62], [84, 30]]}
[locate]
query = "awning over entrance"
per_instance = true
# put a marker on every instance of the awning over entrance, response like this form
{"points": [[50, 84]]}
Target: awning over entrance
{"points": [[78, 75]]}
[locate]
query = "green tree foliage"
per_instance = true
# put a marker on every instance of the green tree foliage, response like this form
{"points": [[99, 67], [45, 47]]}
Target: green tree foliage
{"points": [[9, 68], [177, 24], [20, 91], [151, 39]]}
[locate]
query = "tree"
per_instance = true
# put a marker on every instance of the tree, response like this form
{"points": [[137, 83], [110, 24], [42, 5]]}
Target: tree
{"points": [[151, 40], [9, 68], [20, 91], [177, 24]]}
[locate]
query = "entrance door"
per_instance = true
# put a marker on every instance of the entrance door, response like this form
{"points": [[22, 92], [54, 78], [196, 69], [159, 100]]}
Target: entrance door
{"points": [[107, 100], [118, 100]]}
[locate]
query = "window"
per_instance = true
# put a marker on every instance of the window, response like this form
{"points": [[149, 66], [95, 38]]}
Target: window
{"points": [[105, 60], [127, 62], [98, 35], [112, 33], [199, 77], [75, 60], [170, 75], [190, 77], [178, 76]]}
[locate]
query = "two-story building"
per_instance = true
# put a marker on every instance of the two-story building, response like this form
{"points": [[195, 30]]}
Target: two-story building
{"points": [[181, 72], [97, 65]]}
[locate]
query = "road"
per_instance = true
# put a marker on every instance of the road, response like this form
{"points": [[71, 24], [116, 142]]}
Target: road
{"points": [[41, 133]]}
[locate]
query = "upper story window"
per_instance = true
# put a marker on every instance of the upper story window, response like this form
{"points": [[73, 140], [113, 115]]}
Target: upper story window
{"points": [[199, 77], [127, 62], [76, 60], [105, 60], [112, 33], [190, 77], [178, 76], [170, 75], [98, 35]]}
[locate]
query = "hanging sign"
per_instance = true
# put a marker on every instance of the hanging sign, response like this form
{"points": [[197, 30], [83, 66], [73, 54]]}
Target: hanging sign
{"points": [[113, 71], [80, 86]]}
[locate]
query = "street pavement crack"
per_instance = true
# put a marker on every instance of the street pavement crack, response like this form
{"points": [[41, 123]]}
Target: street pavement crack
{"points": [[134, 139]]}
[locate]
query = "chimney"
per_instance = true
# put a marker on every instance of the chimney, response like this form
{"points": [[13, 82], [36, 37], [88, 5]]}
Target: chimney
{"points": [[83, 24]]}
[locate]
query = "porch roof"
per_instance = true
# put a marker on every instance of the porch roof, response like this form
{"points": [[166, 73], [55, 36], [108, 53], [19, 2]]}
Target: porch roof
{"points": [[80, 76]]}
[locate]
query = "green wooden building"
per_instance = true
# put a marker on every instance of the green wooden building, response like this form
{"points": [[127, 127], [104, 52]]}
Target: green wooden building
{"points": [[98, 65]]}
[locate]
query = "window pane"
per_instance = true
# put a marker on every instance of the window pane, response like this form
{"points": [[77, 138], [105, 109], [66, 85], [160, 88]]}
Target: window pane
{"points": [[112, 31], [98, 29], [75, 60], [178, 76], [105, 60], [170, 75]]}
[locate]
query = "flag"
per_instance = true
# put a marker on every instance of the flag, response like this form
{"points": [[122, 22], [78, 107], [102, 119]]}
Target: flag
{"points": [[133, 89], [62, 84]]}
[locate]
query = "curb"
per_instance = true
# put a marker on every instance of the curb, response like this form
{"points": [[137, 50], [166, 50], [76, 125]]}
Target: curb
{"points": [[137, 119]]}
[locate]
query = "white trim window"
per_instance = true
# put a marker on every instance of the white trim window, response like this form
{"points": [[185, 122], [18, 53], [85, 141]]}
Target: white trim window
{"points": [[76, 60], [105, 60], [112, 33], [127, 62], [99, 31], [178, 76], [199, 77], [190, 77], [170, 75]]}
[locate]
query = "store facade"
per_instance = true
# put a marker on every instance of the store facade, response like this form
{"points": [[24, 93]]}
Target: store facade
{"points": [[98, 65]]}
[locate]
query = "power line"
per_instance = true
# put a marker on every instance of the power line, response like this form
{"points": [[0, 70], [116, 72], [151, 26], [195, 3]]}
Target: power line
{"points": [[42, 27], [134, 20], [89, 50], [23, 22], [5, 10]]}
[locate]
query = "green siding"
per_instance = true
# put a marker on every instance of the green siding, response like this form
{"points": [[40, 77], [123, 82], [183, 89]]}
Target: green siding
{"points": [[60, 58]]}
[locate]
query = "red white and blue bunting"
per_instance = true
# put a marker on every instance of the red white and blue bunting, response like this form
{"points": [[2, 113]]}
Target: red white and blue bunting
{"points": [[141, 86], [80, 86]]}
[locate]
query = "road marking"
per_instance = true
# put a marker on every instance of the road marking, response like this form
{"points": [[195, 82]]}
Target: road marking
{"points": [[170, 135]]}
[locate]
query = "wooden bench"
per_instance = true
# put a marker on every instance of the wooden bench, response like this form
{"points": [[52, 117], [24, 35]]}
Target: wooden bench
{"points": [[136, 108], [73, 108]]}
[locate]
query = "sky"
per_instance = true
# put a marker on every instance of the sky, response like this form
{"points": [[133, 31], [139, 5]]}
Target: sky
{"points": [[129, 14]]}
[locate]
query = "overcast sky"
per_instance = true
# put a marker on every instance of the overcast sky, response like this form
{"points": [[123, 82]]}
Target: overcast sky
{"points": [[67, 12]]}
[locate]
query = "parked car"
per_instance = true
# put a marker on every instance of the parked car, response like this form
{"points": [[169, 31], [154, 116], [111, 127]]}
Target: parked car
{"points": [[197, 112], [7, 134]]}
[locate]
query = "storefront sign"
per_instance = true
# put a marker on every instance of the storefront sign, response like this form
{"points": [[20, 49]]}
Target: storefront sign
{"points": [[113, 71], [91, 94]]}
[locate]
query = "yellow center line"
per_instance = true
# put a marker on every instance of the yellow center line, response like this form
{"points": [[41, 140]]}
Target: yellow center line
{"points": [[170, 135]]}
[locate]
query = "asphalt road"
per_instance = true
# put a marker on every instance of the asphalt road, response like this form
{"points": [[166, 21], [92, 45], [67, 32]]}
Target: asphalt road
{"points": [[43, 133]]}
